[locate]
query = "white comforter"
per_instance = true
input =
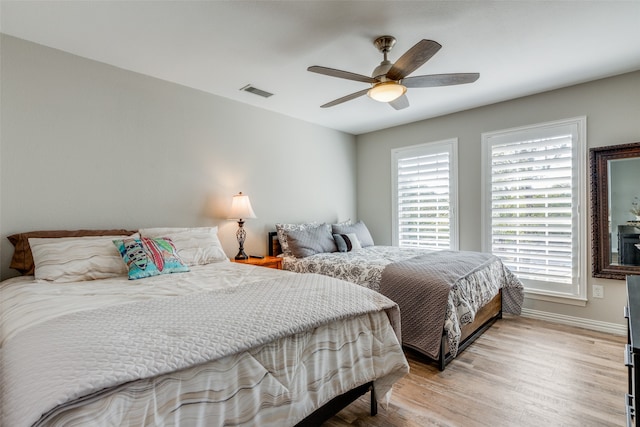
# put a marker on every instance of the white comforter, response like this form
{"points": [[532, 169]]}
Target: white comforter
{"points": [[133, 353]]}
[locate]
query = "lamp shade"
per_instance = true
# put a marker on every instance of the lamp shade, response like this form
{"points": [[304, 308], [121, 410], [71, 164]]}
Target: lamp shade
{"points": [[241, 207], [386, 91]]}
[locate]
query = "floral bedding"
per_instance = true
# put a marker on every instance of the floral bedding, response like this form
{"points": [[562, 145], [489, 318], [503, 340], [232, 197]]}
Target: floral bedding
{"points": [[363, 266], [470, 292]]}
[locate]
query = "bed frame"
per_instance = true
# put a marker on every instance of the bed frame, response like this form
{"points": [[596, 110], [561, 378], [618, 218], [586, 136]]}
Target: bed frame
{"points": [[338, 403], [485, 317]]}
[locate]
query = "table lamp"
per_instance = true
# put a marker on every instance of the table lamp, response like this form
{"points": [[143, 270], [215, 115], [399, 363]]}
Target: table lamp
{"points": [[241, 210]]}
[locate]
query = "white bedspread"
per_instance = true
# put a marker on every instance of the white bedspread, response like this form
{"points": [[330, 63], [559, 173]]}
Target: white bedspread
{"points": [[75, 345]]}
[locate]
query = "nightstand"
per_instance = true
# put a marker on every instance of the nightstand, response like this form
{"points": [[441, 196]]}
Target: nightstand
{"points": [[268, 261]]}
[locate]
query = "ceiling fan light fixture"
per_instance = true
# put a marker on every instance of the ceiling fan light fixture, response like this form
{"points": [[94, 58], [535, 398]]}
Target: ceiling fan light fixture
{"points": [[386, 91]]}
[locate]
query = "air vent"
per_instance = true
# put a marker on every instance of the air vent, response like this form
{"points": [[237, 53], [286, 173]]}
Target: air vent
{"points": [[256, 91]]}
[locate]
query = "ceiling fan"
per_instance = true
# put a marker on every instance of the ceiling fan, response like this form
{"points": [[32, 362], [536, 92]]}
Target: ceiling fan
{"points": [[389, 82]]}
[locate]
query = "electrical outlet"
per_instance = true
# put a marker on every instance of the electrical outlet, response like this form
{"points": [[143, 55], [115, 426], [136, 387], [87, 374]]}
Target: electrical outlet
{"points": [[598, 291]]}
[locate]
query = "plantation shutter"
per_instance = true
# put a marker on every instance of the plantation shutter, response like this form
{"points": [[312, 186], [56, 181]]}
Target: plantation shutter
{"points": [[533, 203], [423, 201]]}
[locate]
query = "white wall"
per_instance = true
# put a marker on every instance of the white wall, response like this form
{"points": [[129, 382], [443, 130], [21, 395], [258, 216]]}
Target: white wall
{"points": [[612, 107], [87, 145]]}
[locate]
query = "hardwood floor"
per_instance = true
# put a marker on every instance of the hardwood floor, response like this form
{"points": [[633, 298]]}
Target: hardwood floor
{"points": [[521, 372]]}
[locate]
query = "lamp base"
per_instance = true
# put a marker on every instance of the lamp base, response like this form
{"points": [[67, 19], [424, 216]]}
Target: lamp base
{"points": [[241, 255], [241, 235]]}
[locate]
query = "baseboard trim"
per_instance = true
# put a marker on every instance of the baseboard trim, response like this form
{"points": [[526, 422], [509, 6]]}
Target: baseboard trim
{"points": [[596, 325]]}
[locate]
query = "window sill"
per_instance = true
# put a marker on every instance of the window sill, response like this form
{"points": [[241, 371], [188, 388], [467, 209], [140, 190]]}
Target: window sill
{"points": [[560, 299]]}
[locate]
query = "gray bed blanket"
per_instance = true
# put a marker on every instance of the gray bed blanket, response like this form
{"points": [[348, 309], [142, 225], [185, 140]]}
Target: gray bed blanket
{"points": [[421, 287]]}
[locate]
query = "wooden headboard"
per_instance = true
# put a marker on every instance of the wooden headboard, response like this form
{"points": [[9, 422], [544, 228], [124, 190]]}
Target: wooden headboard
{"points": [[274, 244]]}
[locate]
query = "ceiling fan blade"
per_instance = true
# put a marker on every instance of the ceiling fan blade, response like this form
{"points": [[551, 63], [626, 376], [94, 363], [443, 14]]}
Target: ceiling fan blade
{"points": [[412, 59], [341, 74], [345, 98], [433, 80], [400, 103]]}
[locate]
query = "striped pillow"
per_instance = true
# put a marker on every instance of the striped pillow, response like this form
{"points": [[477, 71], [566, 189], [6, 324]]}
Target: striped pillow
{"points": [[76, 259], [195, 246], [347, 242]]}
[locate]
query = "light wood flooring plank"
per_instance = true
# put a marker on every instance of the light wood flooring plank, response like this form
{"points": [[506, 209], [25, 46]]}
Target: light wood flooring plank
{"points": [[521, 372]]}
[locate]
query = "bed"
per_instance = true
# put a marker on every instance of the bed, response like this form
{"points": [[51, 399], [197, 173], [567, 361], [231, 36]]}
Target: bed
{"points": [[446, 298], [215, 343]]}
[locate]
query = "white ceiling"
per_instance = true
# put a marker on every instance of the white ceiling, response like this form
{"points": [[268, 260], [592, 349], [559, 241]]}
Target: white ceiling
{"points": [[518, 47]]}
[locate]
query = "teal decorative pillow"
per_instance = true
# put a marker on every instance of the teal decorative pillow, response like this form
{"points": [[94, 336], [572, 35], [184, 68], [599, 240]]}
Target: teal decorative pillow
{"points": [[146, 257]]}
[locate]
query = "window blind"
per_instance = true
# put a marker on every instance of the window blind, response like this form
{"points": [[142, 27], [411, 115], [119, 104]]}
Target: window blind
{"points": [[532, 201], [423, 200]]}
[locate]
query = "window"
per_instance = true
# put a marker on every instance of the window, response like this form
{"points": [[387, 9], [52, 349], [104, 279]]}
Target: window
{"points": [[533, 191], [425, 195]]}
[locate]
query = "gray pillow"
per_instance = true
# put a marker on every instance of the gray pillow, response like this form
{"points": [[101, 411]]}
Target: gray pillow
{"points": [[303, 243], [282, 230], [347, 242], [359, 229]]}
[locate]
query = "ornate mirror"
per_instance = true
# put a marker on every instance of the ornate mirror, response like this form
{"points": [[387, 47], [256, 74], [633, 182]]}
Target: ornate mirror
{"points": [[615, 210]]}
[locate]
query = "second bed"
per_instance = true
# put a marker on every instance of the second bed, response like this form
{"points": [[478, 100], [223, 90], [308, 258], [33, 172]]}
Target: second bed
{"points": [[446, 298]]}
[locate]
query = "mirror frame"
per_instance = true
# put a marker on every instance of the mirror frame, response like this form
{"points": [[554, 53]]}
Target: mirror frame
{"points": [[600, 242]]}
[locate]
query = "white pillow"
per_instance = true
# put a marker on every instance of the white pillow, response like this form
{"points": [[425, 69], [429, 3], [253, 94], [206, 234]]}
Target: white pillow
{"points": [[195, 246], [76, 259]]}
